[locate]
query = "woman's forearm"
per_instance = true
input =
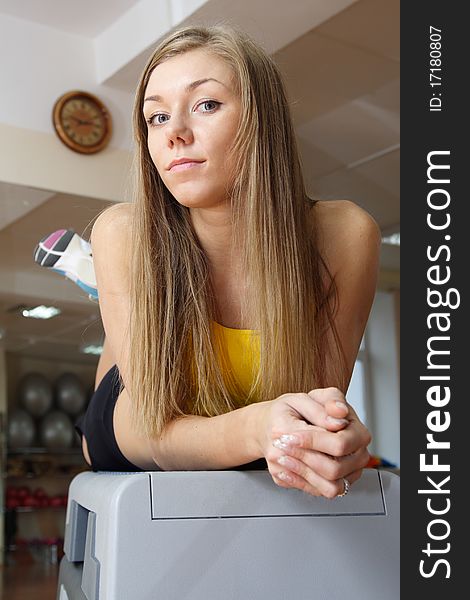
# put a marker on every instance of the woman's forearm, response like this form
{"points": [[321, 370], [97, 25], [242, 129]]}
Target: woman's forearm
{"points": [[205, 443]]}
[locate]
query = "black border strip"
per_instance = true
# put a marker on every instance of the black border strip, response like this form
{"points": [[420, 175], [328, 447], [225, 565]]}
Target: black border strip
{"points": [[424, 131]]}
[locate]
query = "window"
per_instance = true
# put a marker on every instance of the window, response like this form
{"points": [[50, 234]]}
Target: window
{"points": [[357, 394]]}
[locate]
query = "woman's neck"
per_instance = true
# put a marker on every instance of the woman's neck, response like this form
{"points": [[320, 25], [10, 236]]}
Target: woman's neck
{"points": [[213, 227], [214, 230]]}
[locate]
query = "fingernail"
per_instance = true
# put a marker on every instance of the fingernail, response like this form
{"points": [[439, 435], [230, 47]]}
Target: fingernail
{"points": [[341, 404], [289, 439], [278, 444], [337, 421], [284, 476], [285, 461]]}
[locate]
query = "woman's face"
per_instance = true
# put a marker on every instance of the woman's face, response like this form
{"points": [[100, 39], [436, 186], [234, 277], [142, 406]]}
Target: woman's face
{"points": [[192, 112]]}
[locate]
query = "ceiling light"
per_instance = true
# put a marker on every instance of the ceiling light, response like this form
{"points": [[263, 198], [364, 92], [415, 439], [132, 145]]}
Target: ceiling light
{"points": [[393, 239], [91, 349], [41, 312]]}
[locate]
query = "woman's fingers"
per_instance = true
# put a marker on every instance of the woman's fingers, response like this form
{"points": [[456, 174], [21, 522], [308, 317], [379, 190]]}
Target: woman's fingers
{"points": [[315, 441], [334, 402], [336, 443], [313, 484], [320, 472], [306, 408], [326, 467]]}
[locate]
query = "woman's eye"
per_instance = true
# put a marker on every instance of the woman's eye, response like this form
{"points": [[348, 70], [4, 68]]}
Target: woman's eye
{"points": [[212, 103], [156, 120], [162, 118]]}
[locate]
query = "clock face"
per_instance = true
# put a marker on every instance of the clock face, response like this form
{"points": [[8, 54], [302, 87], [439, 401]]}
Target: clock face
{"points": [[82, 122]]}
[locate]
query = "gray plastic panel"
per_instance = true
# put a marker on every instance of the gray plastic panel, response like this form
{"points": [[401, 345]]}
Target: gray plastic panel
{"points": [[70, 578], [316, 549], [91, 566], [252, 494], [75, 532]]}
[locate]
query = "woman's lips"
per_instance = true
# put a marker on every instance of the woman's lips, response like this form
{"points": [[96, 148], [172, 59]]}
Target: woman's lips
{"points": [[185, 166]]}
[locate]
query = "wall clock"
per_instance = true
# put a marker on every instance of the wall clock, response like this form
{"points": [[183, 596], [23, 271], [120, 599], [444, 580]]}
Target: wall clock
{"points": [[82, 122]]}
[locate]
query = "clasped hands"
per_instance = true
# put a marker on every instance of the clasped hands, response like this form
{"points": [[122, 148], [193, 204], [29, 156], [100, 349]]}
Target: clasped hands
{"points": [[315, 440]]}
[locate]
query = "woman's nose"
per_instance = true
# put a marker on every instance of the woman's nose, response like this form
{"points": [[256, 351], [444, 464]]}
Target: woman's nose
{"points": [[178, 130]]}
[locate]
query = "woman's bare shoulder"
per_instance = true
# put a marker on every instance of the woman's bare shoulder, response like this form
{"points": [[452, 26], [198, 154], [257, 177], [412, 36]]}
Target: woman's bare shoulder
{"points": [[110, 242], [114, 218], [346, 233]]}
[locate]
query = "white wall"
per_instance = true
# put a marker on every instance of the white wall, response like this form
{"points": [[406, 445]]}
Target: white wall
{"points": [[384, 384], [39, 64]]}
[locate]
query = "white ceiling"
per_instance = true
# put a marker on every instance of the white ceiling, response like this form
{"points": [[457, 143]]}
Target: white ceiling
{"points": [[86, 18], [343, 84]]}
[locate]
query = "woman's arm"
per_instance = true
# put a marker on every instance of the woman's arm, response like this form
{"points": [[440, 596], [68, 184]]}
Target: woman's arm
{"points": [[350, 245], [349, 241], [205, 443], [111, 248]]}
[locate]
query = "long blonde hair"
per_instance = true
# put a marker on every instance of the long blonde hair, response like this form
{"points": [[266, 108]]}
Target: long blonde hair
{"points": [[175, 360]]}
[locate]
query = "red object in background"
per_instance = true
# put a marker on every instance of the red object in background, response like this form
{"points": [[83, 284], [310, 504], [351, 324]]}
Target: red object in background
{"points": [[23, 496], [21, 541], [49, 541], [11, 491], [18, 496], [378, 461], [40, 493], [22, 492], [12, 502], [374, 461], [30, 501]]}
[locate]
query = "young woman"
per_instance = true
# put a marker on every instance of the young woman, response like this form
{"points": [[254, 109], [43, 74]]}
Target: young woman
{"points": [[233, 304]]}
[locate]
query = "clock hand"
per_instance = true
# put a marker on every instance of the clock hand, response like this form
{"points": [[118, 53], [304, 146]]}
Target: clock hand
{"points": [[81, 121]]}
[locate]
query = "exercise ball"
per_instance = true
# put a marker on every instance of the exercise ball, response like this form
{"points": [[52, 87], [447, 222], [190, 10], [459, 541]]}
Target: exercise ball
{"points": [[56, 430], [35, 394], [70, 394], [21, 429]]}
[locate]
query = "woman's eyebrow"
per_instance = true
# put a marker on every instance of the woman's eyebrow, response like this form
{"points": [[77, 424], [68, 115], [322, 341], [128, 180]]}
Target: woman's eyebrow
{"points": [[191, 86]]}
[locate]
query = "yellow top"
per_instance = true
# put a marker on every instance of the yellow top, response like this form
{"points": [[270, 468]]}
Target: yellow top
{"points": [[243, 355]]}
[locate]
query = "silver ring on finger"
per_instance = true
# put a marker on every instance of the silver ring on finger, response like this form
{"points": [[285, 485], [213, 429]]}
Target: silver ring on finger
{"points": [[347, 485]]}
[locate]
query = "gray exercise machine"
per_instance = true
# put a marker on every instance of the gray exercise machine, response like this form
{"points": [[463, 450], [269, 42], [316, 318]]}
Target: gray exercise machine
{"points": [[228, 535]]}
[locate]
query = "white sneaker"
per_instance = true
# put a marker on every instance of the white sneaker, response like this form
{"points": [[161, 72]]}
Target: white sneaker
{"points": [[65, 252]]}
